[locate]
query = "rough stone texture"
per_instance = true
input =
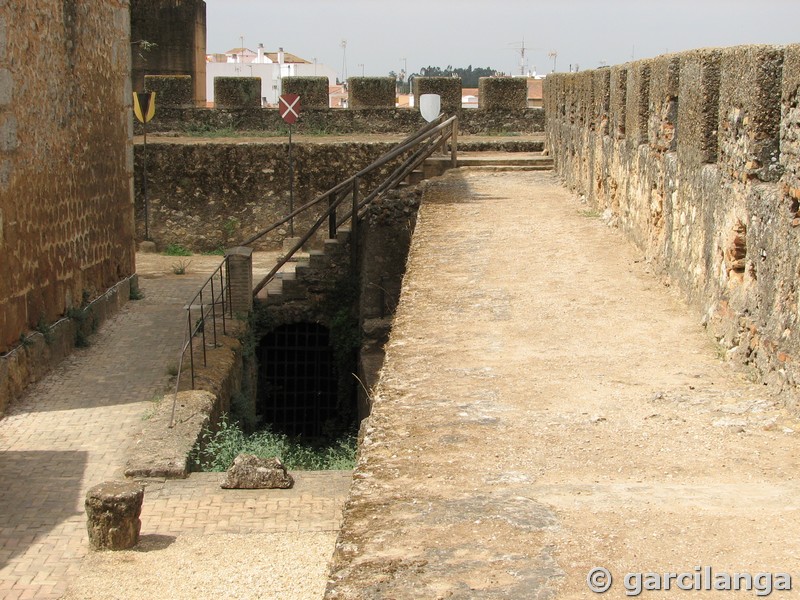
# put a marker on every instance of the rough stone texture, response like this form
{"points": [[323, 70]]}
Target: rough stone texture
{"points": [[237, 92], [449, 88], [662, 111], [250, 472], [705, 182], [313, 91], [338, 121], [698, 108], [371, 92], [618, 94], [66, 220], [163, 451], [215, 195], [637, 104], [171, 90], [750, 112], [790, 123], [177, 28], [509, 93], [112, 515]]}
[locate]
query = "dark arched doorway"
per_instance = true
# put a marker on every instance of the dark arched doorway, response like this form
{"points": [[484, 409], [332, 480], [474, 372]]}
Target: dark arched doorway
{"points": [[298, 382]]}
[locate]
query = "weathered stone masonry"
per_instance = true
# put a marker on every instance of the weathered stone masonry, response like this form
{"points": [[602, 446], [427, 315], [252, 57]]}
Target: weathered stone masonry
{"points": [[66, 163], [696, 156]]}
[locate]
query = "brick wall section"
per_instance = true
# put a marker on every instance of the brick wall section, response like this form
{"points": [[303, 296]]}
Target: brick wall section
{"points": [[66, 226], [700, 168], [178, 30]]}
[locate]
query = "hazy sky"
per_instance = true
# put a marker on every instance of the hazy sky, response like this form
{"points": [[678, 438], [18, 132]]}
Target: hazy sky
{"points": [[381, 33]]}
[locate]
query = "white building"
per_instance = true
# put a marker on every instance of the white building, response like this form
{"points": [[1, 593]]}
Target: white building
{"points": [[271, 67]]}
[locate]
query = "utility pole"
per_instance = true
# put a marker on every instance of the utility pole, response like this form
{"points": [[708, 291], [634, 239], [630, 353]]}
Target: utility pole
{"points": [[344, 61]]}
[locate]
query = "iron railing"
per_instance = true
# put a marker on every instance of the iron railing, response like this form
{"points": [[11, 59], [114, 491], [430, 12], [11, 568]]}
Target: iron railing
{"points": [[417, 147], [215, 292], [209, 306]]}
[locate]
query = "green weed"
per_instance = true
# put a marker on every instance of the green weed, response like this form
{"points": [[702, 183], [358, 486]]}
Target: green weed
{"points": [[217, 450], [179, 268], [176, 250]]}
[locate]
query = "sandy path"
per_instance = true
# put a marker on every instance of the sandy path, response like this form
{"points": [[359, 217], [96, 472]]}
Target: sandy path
{"points": [[547, 406]]}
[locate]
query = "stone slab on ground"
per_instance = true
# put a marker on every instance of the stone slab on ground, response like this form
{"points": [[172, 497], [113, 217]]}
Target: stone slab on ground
{"points": [[163, 451]]}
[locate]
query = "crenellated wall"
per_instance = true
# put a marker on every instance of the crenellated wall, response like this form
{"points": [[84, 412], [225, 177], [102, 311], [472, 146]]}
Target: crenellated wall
{"points": [[696, 157]]}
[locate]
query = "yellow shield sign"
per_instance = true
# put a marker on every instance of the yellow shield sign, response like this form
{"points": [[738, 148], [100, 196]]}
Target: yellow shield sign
{"points": [[144, 106]]}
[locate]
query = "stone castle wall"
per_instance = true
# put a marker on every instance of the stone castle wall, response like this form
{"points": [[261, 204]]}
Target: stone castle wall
{"points": [[177, 30], [696, 157], [213, 195], [66, 163]]}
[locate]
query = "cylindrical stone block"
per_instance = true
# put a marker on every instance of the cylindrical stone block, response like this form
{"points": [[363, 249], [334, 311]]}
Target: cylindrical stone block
{"points": [[112, 515]]}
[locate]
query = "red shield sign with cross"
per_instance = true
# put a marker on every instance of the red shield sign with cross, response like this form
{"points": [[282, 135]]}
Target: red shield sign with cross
{"points": [[289, 107]]}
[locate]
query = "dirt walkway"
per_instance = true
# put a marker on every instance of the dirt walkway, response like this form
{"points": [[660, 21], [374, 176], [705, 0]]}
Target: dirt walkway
{"points": [[547, 407]]}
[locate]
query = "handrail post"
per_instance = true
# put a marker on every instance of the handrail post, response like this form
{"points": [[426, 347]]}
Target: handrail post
{"points": [[332, 217], [354, 229], [454, 144], [214, 310]]}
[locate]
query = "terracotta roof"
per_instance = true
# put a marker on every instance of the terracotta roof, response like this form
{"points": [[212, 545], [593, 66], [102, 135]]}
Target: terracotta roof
{"points": [[239, 51], [287, 58]]}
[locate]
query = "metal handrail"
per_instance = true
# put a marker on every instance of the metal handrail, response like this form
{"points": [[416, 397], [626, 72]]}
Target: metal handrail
{"points": [[421, 144], [445, 129], [220, 296]]}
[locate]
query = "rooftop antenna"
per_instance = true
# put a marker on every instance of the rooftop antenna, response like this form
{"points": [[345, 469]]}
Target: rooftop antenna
{"points": [[344, 61], [521, 51], [553, 54]]}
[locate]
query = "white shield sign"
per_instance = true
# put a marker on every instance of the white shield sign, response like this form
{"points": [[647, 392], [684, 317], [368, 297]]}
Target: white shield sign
{"points": [[430, 105]]}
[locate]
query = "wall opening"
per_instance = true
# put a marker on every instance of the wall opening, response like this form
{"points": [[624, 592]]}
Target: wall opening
{"points": [[298, 382]]}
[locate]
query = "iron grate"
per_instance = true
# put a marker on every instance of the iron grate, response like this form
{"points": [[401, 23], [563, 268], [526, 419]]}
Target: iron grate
{"points": [[297, 379]]}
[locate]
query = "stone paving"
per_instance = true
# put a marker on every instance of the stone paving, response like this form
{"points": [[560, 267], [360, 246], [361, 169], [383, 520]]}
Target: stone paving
{"points": [[72, 430]]}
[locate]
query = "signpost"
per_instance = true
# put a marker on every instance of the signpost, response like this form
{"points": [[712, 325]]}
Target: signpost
{"points": [[144, 107], [289, 108]]}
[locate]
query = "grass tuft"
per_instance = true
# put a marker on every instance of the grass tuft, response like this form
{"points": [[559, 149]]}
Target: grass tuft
{"points": [[217, 450]]}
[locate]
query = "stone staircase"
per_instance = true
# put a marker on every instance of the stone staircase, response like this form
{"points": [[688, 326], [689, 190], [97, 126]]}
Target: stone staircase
{"points": [[311, 273], [487, 161]]}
